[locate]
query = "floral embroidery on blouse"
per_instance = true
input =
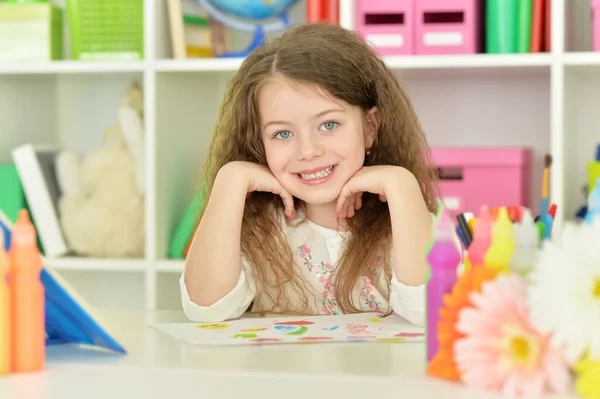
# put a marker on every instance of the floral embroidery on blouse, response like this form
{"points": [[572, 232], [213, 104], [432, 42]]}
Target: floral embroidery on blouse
{"points": [[371, 303], [323, 273]]}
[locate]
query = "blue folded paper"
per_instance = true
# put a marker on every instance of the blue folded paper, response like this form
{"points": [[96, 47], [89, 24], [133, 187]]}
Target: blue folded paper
{"points": [[68, 319]]}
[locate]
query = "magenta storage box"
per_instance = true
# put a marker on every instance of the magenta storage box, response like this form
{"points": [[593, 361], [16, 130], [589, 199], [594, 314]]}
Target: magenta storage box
{"points": [[471, 177], [596, 24], [446, 26], [388, 25]]}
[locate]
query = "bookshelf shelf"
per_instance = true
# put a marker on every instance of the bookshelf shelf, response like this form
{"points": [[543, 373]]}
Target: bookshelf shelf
{"points": [[170, 266], [583, 62], [199, 65], [394, 62], [71, 67], [469, 61], [545, 101], [97, 264]]}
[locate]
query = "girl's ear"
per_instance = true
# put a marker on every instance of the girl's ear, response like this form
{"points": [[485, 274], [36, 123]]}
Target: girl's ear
{"points": [[373, 123]]}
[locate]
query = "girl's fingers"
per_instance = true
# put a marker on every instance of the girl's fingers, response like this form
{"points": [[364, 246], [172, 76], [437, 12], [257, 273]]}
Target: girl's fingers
{"points": [[350, 206], [288, 201], [358, 203], [341, 203]]}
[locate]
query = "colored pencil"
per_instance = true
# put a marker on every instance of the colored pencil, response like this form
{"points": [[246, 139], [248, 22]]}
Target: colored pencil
{"points": [[545, 181]]}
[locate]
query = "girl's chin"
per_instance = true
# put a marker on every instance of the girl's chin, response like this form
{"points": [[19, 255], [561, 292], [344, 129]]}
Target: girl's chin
{"points": [[317, 198]]}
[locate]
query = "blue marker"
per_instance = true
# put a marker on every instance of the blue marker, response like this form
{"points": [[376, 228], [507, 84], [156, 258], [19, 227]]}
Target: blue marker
{"points": [[461, 236]]}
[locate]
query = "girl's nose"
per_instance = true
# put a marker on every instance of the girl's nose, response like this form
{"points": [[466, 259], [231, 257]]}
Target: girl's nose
{"points": [[310, 147]]}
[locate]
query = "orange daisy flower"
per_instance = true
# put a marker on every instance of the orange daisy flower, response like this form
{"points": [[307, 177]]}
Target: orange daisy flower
{"points": [[443, 365]]}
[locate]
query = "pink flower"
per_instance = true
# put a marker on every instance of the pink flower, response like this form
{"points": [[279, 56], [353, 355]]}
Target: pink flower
{"points": [[501, 351], [304, 251]]}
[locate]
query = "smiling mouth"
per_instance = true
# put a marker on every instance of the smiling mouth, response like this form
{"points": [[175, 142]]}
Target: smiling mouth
{"points": [[318, 175]]}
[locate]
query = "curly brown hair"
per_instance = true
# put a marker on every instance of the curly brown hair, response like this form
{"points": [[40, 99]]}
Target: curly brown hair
{"points": [[339, 61]]}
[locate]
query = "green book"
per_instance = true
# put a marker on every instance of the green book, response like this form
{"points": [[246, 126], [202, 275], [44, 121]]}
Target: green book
{"points": [[502, 26], [186, 227], [12, 196], [525, 20]]}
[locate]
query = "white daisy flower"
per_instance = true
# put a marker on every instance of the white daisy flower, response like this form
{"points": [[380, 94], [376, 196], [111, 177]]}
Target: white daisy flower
{"points": [[564, 290]]}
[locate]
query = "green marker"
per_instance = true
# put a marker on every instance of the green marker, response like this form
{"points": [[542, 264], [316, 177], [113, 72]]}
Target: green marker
{"points": [[541, 228]]}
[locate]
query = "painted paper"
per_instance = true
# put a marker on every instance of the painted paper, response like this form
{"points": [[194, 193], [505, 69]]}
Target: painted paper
{"points": [[364, 327]]}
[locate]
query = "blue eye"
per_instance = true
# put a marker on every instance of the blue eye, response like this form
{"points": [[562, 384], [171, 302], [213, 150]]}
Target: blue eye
{"points": [[283, 134], [329, 125]]}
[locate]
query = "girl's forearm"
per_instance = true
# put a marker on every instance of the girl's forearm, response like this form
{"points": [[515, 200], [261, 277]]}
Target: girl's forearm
{"points": [[213, 264], [411, 228]]}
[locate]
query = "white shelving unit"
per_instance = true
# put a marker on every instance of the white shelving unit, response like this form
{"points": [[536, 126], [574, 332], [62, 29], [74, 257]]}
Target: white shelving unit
{"points": [[548, 102]]}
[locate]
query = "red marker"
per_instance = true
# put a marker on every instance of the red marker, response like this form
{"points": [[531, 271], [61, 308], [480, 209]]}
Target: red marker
{"points": [[552, 211], [514, 213]]}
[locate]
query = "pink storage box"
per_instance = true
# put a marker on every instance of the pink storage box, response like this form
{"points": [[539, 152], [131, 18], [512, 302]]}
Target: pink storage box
{"points": [[472, 177], [446, 26], [388, 25], [596, 24]]}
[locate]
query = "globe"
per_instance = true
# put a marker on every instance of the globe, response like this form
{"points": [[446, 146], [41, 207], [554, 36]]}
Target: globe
{"points": [[254, 9], [250, 16]]}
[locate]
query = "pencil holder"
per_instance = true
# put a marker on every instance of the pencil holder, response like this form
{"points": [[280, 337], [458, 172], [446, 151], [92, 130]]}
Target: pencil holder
{"points": [[472, 177], [388, 25], [446, 26], [596, 24]]}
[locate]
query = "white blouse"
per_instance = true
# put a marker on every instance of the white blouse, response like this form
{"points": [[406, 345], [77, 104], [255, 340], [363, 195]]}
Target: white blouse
{"points": [[316, 250]]}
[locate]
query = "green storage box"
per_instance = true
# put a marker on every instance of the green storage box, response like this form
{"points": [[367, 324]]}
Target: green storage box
{"points": [[106, 29], [30, 32]]}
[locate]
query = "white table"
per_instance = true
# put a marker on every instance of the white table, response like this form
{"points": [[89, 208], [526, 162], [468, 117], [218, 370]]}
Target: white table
{"points": [[158, 366]]}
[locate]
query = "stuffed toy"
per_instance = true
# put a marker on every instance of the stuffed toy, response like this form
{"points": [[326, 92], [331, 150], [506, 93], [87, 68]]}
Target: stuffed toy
{"points": [[101, 206]]}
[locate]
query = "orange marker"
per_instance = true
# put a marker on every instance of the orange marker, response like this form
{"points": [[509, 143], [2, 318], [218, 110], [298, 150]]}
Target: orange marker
{"points": [[494, 213], [27, 299], [4, 310]]}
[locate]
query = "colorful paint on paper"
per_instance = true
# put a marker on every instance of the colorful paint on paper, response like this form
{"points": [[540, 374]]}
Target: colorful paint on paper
{"points": [[355, 328]]}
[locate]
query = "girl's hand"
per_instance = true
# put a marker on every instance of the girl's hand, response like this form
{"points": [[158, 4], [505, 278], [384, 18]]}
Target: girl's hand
{"points": [[370, 179], [259, 178]]}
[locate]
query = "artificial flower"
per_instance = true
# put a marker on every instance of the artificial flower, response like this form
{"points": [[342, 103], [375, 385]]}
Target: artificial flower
{"points": [[501, 351], [443, 365], [564, 290], [588, 377]]}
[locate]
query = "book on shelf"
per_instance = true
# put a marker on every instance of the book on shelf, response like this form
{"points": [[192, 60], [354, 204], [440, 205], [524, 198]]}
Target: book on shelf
{"points": [[323, 11], [184, 233], [69, 319], [517, 26], [36, 169], [194, 33], [12, 197]]}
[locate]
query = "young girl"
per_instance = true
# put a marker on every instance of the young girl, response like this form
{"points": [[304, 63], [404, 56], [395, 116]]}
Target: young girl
{"points": [[321, 192]]}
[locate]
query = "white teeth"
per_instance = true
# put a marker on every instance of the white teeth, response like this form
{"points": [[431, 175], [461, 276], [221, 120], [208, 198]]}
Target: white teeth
{"points": [[321, 174]]}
